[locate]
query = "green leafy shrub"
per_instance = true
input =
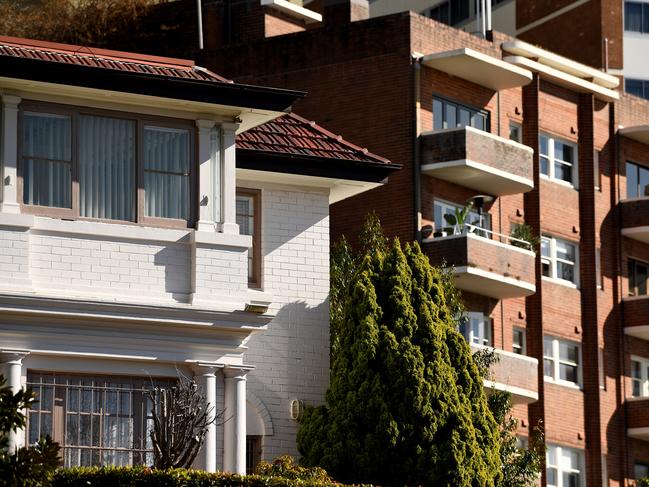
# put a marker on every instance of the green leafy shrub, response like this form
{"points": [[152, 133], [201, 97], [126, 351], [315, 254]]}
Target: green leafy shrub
{"points": [[286, 467], [525, 233], [180, 477], [643, 483]]}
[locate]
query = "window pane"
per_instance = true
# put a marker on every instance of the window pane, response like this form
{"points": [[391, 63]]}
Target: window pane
{"points": [[106, 168], [552, 477], [643, 181], [633, 16], [465, 117], [563, 172], [568, 373], [568, 352], [246, 220], [641, 471], [479, 121], [543, 146], [566, 271], [564, 152], [565, 251], [438, 115], [450, 120], [631, 180], [47, 160], [571, 480], [515, 132], [519, 341], [645, 18], [633, 87], [166, 172], [548, 368]]}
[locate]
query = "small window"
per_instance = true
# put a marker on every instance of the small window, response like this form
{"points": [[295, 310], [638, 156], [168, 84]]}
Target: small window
{"points": [[447, 114], [638, 277], [515, 132], [518, 342], [636, 17], [558, 159], [564, 467], [559, 259], [249, 221], [637, 87], [476, 328], [561, 361], [637, 181], [639, 377]]}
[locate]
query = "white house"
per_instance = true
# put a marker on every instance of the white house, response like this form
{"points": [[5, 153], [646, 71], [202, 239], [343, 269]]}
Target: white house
{"points": [[136, 246]]}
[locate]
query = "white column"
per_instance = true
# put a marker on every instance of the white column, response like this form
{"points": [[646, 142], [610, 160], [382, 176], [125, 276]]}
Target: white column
{"points": [[229, 179], [205, 193], [10, 154], [234, 434], [207, 457], [12, 364]]}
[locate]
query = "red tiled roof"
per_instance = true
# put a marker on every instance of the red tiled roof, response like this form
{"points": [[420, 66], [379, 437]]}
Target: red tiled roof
{"points": [[293, 135], [106, 59]]}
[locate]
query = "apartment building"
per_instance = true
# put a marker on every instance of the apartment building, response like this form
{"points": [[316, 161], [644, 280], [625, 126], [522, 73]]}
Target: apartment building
{"points": [[159, 221], [527, 136]]}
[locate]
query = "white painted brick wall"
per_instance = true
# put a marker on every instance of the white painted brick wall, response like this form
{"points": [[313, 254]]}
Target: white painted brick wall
{"points": [[221, 271], [14, 254], [292, 357]]}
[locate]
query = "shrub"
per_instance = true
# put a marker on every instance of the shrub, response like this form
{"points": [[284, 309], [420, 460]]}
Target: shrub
{"points": [[286, 467]]}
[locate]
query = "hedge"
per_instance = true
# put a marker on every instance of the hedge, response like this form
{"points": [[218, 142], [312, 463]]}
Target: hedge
{"points": [[145, 477]]}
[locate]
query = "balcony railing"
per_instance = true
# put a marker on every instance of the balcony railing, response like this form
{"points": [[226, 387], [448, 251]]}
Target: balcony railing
{"points": [[499, 267], [478, 160]]}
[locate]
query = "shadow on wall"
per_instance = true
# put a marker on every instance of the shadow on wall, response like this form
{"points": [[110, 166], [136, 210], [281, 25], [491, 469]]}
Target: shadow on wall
{"points": [[175, 258]]}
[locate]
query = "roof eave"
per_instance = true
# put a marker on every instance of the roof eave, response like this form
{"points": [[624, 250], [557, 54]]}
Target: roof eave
{"points": [[334, 168], [221, 93]]}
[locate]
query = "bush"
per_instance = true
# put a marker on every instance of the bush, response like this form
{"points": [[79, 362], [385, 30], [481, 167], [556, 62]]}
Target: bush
{"points": [[285, 467], [180, 477]]}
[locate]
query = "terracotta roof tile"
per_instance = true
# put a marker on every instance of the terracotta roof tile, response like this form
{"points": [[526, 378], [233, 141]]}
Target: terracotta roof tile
{"points": [[106, 59], [293, 135]]}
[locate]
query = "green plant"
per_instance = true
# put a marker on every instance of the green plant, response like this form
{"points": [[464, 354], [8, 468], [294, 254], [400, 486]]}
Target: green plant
{"points": [[525, 237], [26, 466], [286, 467], [458, 219], [406, 403], [642, 483]]}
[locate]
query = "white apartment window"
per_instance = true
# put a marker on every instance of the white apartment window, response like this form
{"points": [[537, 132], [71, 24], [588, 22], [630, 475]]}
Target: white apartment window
{"points": [[515, 132], [564, 466], [558, 159], [559, 259], [476, 328], [518, 343], [561, 361], [639, 377], [441, 208]]}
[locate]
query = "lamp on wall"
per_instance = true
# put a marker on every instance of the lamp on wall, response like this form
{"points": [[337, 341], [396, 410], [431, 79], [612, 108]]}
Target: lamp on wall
{"points": [[297, 409]]}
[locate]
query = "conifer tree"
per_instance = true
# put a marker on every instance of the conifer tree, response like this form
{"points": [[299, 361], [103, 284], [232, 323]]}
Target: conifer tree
{"points": [[406, 403]]}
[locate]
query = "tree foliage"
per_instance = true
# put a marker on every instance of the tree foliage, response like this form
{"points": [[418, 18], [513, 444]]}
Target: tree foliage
{"points": [[406, 403], [98, 23], [27, 466], [181, 416]]}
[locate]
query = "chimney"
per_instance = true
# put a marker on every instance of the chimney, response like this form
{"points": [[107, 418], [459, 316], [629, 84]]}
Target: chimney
{"points": [[337, 12]]}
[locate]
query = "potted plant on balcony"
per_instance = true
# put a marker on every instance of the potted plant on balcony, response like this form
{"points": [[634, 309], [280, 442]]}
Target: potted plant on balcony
{"points": [[523, 236], [458, 221]]}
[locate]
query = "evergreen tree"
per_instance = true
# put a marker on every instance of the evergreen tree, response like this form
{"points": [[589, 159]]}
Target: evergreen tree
{"points": [[406, 403]]}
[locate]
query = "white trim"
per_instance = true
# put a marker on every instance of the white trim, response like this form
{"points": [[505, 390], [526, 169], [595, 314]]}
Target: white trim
{"points": [[644, 377], [553, 259], [555, 357], [561, 64], [551, 158], [567, 80], [288, 8]]}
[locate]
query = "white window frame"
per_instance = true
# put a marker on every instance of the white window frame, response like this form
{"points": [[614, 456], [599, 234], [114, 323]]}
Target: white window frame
{"points": [[553, 259], [552, 159], [486, 217], [485, 327], [643, 380], [523, 347], [555, 358], [561, 468]]}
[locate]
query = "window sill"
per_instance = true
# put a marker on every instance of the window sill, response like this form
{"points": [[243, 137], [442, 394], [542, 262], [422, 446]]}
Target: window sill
{"points": [[562, 383], [560, 182], [561, 282]]}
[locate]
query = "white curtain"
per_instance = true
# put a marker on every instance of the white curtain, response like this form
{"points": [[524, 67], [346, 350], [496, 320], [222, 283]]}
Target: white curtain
{"points": [[107, 168], [47, 160], [166, 172]]}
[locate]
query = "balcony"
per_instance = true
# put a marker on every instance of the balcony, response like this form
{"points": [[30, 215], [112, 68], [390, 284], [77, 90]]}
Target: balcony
{"points": [[514, 373], [485, 266], [636, 316], [478, 160], [634, 218], [637, 411]]}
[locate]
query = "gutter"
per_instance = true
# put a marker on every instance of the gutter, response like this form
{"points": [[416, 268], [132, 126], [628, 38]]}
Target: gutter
{"points": [[213, 92], [416, 149]]}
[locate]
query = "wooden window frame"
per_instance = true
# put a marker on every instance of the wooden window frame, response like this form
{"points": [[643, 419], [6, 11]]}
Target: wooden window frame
{"points": [[254, 281], [140, 120]]}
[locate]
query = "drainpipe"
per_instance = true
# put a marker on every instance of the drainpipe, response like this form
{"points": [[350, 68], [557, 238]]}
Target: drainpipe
{"points": [[199, 8], [416, 150]]}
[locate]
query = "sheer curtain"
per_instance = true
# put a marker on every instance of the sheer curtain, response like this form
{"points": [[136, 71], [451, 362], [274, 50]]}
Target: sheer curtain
{"points": [[166, 172], [47, 160], [106, 168]]}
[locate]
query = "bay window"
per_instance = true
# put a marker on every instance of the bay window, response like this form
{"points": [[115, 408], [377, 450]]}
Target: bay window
{"points": [[639, 377], [564, 466], [561, 361], [559, 259], [106, 166], [97, 420], [558, 159]]}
